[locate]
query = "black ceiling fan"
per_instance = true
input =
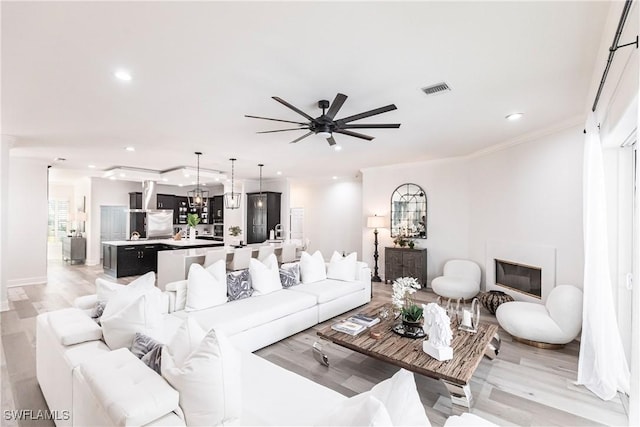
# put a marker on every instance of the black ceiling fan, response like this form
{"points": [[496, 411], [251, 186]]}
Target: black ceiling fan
{"points": [[326, 124]]}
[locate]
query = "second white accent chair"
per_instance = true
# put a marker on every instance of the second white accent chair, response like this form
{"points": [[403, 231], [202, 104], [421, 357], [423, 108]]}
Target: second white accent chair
{"points": [[460, 279], [240, 260], [211, 257], [264, 251], [556, 322]]}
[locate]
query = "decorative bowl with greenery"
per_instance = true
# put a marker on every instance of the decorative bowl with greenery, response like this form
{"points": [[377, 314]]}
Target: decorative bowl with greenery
{"points": [[403, 288], [235, 231], [193, 219]]}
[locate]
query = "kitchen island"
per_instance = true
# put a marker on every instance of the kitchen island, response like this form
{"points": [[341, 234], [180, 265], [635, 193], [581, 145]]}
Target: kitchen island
{"points": [[121, 258]]}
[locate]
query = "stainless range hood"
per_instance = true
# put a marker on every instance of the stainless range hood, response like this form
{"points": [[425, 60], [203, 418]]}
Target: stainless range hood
{"points": [[158, 223], [149, 197]]}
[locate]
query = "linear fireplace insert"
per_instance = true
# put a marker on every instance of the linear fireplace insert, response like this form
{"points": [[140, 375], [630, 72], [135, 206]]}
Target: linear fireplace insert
{"points": [[519, 277]]}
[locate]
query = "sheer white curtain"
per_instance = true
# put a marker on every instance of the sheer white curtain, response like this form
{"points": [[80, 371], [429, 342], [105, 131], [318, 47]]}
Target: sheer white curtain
{"points": [[602, 366]]}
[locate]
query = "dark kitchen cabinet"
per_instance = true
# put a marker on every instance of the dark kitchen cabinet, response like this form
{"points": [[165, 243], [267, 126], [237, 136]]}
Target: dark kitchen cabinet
{"points": [[165, 201], [135, 200], [129, 260], [263, 214], [137, 223], [405, 262], [181, 209], [216, 215]]}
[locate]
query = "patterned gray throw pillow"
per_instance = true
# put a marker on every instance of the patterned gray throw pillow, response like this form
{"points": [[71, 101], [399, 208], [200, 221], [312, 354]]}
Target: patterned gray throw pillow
{"points": [[290, 275], [148, 350], [98, 310], [239, 285], [153, 358]]}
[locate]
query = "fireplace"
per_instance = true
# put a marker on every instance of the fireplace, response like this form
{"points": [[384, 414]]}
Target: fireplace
{"points": [[531, 286], [519, 277]]}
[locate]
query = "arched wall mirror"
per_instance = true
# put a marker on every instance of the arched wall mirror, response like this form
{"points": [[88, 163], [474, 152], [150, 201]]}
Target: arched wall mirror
{"points": [[409, 212]]}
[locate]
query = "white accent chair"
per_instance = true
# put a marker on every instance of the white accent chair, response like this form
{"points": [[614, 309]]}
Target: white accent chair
{"points": [[264, 251], [552, 324], [211, 257], [460, 279], [288, 253], [240, 260]]}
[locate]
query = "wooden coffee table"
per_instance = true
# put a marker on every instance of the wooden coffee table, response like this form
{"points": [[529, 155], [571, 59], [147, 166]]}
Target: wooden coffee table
{"points": [[455, 374]]}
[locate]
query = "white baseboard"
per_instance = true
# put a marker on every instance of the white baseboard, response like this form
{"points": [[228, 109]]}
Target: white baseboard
{"points": [[91, 262], [39, 280], [4, 305]]}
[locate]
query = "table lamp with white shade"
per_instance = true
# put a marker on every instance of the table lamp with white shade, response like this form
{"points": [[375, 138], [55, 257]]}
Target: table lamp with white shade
{"points": [[376, 222]]}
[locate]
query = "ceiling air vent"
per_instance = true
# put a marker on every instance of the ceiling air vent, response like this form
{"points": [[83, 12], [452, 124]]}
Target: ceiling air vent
{"points": [[436, 88]]}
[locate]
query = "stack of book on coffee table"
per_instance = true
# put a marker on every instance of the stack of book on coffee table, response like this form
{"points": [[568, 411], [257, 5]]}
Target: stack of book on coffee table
{"points": [[355, 324]]}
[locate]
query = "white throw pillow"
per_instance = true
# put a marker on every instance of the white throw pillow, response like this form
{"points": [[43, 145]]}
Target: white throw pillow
{"points": [[342, 268], [360, 410], [124, 316], [105, 290], [206, 288], [312, 267], [400, 396], [265, 275], [186, 339], [209, 382]]}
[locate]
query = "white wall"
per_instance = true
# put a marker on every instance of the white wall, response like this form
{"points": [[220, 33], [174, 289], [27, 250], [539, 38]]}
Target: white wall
{"points": [[103, 192], [445, 184], [26, 256], [333, 218], [5, 144], [531, 193]]}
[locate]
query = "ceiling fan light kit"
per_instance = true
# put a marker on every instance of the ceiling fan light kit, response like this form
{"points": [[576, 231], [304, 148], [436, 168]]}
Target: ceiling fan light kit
{"points": [[326, 125]]}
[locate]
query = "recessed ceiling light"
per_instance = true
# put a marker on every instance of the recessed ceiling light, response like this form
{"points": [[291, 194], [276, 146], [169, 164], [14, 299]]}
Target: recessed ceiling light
{"points": [[165, 179], [514, 116], [130, 148], [179, 185], [337, 147], [59, 159], [334, 177], [122, 175], [279, 172], [123, 75], [217, 179], [92, 166], [113, 178], [186, 175], [204, 184], [193, 183]]}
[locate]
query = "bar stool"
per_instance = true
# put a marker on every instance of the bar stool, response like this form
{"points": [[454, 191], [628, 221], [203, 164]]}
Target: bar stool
{"points": [[211, 257], [264, 251], [240, 259]]}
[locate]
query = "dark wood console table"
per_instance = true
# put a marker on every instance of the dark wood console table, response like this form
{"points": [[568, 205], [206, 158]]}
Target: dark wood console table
{"points": [[405, 262]]}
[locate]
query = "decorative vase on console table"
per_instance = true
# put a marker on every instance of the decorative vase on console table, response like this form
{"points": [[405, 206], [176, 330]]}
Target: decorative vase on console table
{"points": [[491, 300]]}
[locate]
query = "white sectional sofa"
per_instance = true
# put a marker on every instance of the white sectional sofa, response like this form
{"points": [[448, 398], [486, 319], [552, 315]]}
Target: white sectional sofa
{"points": [[80, 375]]}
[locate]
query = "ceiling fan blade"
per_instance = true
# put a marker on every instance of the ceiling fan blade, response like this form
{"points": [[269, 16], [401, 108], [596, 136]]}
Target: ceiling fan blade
{"points": [[357, 135], [371, 126], [297, 110], [275, 120], [302, 137], [370, 113], [336, 105], [331, 141], [281, 130]]}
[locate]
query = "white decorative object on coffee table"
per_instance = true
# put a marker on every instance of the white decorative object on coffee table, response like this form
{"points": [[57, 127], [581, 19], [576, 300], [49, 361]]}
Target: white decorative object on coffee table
{"points": [[438, 325]]}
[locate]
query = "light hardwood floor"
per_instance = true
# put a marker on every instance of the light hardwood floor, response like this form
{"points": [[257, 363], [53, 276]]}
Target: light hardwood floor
{"points": [[523, 386]]}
